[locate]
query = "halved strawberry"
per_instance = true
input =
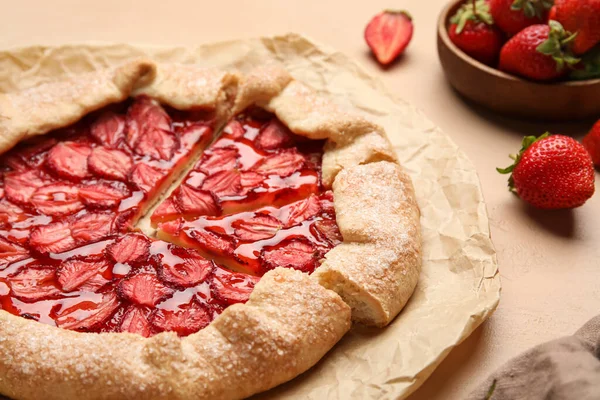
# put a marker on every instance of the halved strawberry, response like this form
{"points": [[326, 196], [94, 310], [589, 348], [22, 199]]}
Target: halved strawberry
{"points": [[135, 320], [194, 202], [132, 248], [284, 163], [144, 115], [185, 320], [57, 199], [296, 254], [110, 164], [88, 314], [52, 238], [109, 129], [146, 177], [34, 283], [197, 134], [274, 136], [224, 183], [219, 159], [157, 144], [74, 273], [69, 160], [92, 227], [213, 242], [10, 252], [232, 287], [302, 210], [103, 195], [10, 213], [259, 227], [193, 269], [144, 289], [328, 231], [20, 186], [234, 129]]}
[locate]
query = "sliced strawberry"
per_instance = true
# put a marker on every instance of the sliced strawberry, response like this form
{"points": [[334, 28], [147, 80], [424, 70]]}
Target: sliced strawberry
{"points": [[145, 115], [173, 227], [74, 273], [135, 320], [145, 177], [213, 242], [88, 314], [296, 254], [69, 160], [195, 179], [34, 283], [328, 231], [302, 210], [10, 213], [193, 269], [28, 155], [103, 195], [52, 238], [132, 248], [232, 287], [20, 186], [197, 134], [191, 201], [259, 227], [92, 227], [109, 129], [166, 210], [224, 183], [219, 159], [283, 163], [57, 199], [110, 164], [274, 136], [144, 289], [157, 144], [10, 252], [185, 320], [388, 33], [327, 204], [251, 180], [234, 129]]}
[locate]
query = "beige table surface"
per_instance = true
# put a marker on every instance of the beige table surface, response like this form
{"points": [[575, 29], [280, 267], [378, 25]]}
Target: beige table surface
{"points": [[549, 261]]}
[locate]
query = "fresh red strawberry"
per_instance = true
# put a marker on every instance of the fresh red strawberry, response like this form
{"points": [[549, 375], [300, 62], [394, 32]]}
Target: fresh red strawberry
{"points": [[283, 163], [197, 134], [552, 14], [388, 34], [472, 30], [103, 194], [110, 164], [219, 159], [512, 16], [552, 172], [192, 270], [328, 231], [52, 238], [234, 130], [132, 248], [20, 186], [135, 320], [591, 142], [302, 210], [88, 314], [10, 252], [146, 177], [296, 254], [74, 273], [274, 136], [232, 287], [184, 320], [144, 289], [193, 202], [213, 242], [157, 144], [57, 199], [92, 227], [69, 160], [34, 283], [224, 183], [109, 129], [582, 17], [259, 227], [143, 116]]}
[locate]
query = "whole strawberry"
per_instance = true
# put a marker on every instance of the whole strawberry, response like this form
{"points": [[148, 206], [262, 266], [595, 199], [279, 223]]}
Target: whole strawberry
{"points": [[388, 34], [591, 142], [512, 16], [581, 17], [472, 30], [551, 172], [539, 52]]}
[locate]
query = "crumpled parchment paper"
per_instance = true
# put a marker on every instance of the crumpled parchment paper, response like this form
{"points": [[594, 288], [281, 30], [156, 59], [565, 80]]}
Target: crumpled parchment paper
{"points": [[460, 284]]}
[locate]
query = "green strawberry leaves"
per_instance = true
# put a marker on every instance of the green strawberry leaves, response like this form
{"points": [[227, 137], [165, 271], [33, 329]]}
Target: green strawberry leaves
{"points": [[590, 65], [558, 46], [476, 10], [532, 8], [525, 144]]}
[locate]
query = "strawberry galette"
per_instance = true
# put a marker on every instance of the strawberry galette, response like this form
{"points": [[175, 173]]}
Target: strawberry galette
{"points": [[286, 217]]}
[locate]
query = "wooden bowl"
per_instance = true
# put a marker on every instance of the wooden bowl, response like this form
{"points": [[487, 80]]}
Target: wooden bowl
{"points": [[508, 94]]}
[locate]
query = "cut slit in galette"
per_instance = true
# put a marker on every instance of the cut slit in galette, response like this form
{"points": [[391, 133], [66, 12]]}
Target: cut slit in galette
{"points": [[296, 219]]}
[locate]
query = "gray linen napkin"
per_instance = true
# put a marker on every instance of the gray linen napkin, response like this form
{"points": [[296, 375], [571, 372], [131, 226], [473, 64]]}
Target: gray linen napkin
{"points": [[564, 369]]}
